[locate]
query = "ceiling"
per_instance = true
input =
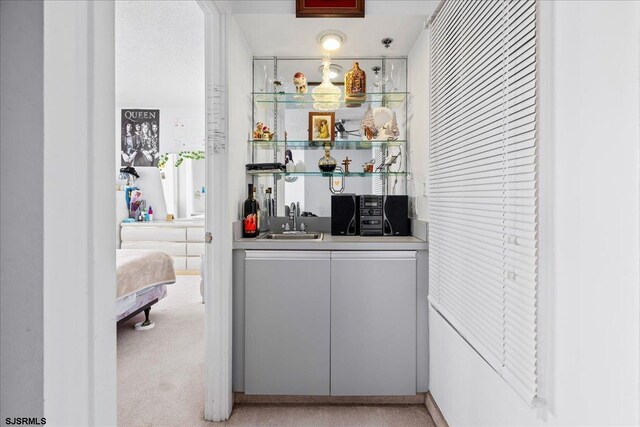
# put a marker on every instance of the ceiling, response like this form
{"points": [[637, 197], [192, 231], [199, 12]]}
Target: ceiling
{"points": [[160, 52], [165, 39], [271, 28]]}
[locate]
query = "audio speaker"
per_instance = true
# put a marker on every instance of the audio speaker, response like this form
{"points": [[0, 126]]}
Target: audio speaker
{"points": [[344, 215], [396, 216]]}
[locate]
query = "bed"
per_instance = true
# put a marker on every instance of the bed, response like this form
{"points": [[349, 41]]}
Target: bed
{"points": [[142, 279]]}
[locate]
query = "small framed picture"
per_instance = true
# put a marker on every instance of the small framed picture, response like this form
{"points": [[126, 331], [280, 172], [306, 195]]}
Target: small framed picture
{"points": [[329, 8], [322, 126]]}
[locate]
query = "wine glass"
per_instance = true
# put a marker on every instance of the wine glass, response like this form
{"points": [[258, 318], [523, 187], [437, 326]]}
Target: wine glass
{"points": [[379, 80], [394, 76]]}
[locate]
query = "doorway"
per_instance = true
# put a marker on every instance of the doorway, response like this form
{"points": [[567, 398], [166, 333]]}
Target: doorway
{"points": [[160, 70]]}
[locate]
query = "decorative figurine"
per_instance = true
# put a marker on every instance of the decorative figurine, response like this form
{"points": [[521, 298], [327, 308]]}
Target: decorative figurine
{"points": [[368, 167], [262, 132], [355, 86], [391, 130], [289, 165], [346, 163], [368, 126], [300, 82]]}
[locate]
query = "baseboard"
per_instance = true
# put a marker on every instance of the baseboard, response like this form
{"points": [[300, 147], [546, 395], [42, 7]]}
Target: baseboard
{"points": [[241, 398], [187, 273], [434, 411]]}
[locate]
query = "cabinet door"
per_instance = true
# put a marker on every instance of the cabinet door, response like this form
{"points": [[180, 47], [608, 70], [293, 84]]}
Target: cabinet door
{"points": [[287, 329], [373, 323]]}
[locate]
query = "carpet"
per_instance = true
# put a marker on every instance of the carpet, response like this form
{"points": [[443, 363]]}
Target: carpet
{"points": [[161, 370]]}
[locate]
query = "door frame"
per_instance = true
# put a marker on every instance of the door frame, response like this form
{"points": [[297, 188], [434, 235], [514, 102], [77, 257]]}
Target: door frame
{"points": [[218, 277]]}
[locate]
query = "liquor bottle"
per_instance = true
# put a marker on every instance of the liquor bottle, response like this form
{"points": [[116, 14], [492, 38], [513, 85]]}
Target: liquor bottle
{"points": [[263, 209], [255, 199], [268, 203], [250, 215]]}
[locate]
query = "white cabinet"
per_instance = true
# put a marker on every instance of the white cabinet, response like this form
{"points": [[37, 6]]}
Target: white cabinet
{"points": [[182, 240], [169, 248], [287, 326], [154, 234], [373, 323]]}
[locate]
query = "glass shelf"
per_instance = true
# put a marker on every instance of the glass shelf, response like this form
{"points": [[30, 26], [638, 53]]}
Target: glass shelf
{"points": [[327, 174], [303, 100], [336, 145]]}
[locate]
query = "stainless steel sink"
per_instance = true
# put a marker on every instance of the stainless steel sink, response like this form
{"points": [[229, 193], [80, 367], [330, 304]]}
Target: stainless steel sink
{"points": [[294, 235]]}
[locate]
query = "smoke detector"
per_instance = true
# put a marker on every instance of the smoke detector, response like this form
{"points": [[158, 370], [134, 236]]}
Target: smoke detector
{"points": [[386, 42]]}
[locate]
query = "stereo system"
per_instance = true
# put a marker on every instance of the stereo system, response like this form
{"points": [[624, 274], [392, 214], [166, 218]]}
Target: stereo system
{"points": [[369, 215]]}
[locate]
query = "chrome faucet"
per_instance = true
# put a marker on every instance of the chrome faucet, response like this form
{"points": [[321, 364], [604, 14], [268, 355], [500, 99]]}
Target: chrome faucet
{"points": [[294, 212]]}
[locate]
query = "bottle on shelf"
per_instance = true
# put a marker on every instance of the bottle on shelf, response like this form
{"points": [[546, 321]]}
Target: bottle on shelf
{"points": [[273, 205], [268, 208], [327, 163], [250, 215], [258, 207], [263, 221]]}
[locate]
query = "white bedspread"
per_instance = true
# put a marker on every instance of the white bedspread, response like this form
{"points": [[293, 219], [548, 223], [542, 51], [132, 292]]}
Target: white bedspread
{"points": [[140, 269]]}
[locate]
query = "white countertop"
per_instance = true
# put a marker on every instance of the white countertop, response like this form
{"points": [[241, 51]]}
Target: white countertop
{"points": [[330, 242]]}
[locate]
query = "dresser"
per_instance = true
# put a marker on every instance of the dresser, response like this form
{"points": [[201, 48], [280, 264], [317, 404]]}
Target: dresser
{"points": [[183, 240]]}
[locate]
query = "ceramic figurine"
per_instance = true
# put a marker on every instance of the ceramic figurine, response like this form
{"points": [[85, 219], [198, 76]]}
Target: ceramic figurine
{"points": [[368, 167], [392, 132], [300, 82], [262, 132], [355, 84], [367, 126]]}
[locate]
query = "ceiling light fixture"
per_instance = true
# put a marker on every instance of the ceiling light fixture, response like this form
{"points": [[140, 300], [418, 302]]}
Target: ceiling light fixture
{"points": [[331, 39], [334, 70]]}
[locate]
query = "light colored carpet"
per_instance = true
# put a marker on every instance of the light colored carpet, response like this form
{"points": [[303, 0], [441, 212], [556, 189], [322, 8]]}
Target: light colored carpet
{"points": [[161, 370], [161, 377]]}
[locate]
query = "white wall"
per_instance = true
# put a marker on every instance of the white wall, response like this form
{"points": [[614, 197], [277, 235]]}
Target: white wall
{"points": [[160, 63], [240, 85], [589, 343], [79, 249], [21, 209], [58, 299], [418, 122]]}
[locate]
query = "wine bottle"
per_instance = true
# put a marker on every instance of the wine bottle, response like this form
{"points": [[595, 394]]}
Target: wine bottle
{"points": [[250, 215]]}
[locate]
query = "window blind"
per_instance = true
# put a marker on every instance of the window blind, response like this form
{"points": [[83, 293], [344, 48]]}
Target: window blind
{"points": [[482, 168]]}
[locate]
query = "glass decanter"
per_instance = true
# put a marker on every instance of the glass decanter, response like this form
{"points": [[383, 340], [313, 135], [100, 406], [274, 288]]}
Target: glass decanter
{"points": [[326, 96], [327, 163]]}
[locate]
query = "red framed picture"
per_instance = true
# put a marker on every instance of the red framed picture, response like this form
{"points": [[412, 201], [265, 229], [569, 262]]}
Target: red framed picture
{"points": [[329, 8]]}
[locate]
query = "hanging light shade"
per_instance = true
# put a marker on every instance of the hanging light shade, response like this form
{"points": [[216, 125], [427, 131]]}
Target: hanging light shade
{"points": [[326, 96]]}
